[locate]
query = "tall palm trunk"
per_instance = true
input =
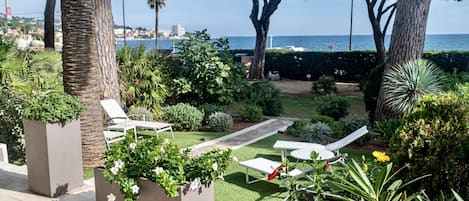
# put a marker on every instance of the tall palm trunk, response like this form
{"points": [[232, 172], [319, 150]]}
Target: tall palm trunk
{"points": [[407, 42], [81, 74], [106, 48], [49, 24], [157, 11]]}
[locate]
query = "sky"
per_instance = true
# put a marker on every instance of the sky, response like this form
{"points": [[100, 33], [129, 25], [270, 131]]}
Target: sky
{"points": [[293, 17]]}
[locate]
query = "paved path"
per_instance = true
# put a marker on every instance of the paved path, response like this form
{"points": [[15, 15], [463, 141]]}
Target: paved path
{"points": [[14, 181]]}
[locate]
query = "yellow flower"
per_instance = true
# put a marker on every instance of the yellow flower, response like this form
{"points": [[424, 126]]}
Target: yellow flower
{"points": [[381, 156], [365, 167]]}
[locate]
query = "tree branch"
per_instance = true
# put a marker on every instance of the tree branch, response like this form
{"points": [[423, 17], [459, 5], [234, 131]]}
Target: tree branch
{"points": [[380, 10], [255, 13], [389, 7], [389, 19]]}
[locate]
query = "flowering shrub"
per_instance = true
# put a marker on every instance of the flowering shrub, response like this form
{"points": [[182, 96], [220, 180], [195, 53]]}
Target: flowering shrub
{"points": [[220, 121], [162, 162]]}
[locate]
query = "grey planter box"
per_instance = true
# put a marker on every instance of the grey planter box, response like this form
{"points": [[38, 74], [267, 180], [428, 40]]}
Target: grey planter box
{"points": [[53, 157], [150, 191]]}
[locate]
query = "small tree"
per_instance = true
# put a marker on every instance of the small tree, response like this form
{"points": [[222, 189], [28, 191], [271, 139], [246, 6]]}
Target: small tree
{"points": [[375, 20], [261, 24]]}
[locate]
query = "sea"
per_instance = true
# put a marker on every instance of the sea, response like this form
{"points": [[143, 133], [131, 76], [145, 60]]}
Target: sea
{"points": [[440, 42]]}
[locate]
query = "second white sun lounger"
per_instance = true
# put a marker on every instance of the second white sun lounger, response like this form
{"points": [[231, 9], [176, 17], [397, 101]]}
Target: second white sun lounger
{"points": [[266, 167]]}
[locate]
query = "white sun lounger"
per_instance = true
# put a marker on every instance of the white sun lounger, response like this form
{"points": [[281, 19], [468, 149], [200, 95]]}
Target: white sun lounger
{"points": [[3, 153], [113, 136], [284, 146], [121, 121], [266, 167]]}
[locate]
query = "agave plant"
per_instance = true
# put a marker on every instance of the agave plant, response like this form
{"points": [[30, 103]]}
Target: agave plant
{"points": [[405, 84], [382, 188]]}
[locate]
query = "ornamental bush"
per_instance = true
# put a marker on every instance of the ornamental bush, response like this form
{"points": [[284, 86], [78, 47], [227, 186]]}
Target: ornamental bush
{"points": [[317, 132], [267, 96], [351, 124], [434, 139], [140, 113], [183, 116], [251, 113], [164, 163], [11, 132], [53, 108], [220, 121], [209, 109], [334, 125], [332, 105], [296, 129], [324, 85]]}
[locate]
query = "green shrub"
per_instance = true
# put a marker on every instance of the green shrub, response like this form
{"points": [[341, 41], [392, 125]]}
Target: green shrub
{"points": [[316, 133], [324, 85], [183, 116], [53, 108], [434, 139], [220, 121], [297, 127], [251, 113], [11, 132], [140, 113], [371, 85], [351, 124], [387, 128], [334, 125], [267, 96], [209, 109], [332, 105], [405, 84]]}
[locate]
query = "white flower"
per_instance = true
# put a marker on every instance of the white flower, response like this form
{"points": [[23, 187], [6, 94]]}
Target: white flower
{"points": [[132, 146], [162, 149], [114, 170], [166, 141], [119, 164], [195, 184], [215, 166], [221, 176], [234, 159], [158, 170], [111, 197], [135, 189]]}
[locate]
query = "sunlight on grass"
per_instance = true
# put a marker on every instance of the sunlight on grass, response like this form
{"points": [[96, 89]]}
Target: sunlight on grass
{"points": [[186, 139], [88, 173], [305, 107]]}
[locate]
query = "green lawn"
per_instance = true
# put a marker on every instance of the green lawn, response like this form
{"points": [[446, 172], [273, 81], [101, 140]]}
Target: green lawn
{"points": [[234, 186], [304, 107]]}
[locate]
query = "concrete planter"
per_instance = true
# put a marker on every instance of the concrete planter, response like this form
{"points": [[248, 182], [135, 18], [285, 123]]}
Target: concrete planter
{"points": [[150, 191], [53, 156]]}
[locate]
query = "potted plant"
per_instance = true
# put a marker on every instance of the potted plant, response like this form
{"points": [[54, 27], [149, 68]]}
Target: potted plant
{"points": [[53, 144], [156, 169]]}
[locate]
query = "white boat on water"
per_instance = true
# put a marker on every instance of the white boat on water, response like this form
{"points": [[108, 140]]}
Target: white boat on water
{"points": [[288, 47]]}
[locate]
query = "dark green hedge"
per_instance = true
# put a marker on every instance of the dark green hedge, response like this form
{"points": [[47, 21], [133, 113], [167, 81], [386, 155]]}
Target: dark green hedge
{"points": [[345, 66]]}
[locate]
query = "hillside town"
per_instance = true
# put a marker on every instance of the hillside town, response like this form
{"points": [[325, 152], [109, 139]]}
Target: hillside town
{"points": [[30, 32]]}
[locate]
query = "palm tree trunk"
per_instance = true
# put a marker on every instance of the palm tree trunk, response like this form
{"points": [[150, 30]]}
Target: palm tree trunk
{"points": [[49, 24], [407, 42], [106, 48], [81, 74]]}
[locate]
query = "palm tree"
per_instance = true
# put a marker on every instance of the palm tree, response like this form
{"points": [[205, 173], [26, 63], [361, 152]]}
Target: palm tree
{"points": [[156, 4], [81, 74]]}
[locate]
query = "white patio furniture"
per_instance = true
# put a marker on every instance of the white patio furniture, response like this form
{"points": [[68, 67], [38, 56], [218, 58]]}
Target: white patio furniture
{"points": [[266, 167], [121, 121], [284, 146], [3, 153], [113, 136]]}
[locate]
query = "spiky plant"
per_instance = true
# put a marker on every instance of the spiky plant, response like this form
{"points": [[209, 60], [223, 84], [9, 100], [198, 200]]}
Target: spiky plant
{"points": [[405, 84]]}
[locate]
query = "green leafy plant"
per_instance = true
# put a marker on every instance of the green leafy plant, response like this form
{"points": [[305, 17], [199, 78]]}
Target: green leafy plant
{"points": [[220, 121], [183, 116], [334, 125], [206, 74], [267, 96], [387, 128], [405, 84], [332, 105], [383, 187], [433, 139], [209, 109], [162, 162], [351, 124], [296, 129], [317, 132], [140, 113], [53, 108], [251, 113], [324, 85], [11, 132]]}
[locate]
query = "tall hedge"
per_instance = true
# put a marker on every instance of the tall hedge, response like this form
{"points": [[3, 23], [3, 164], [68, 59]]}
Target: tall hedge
{"points": [[345, 66]]}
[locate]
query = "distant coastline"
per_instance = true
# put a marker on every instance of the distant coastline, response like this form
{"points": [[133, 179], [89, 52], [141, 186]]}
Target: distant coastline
{"points": [[438, 42]]}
